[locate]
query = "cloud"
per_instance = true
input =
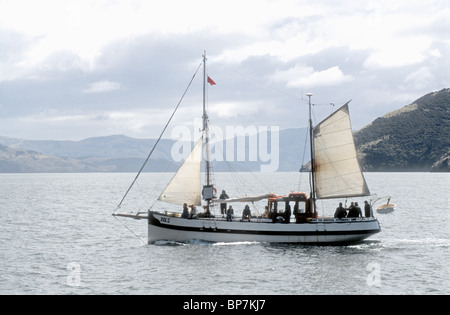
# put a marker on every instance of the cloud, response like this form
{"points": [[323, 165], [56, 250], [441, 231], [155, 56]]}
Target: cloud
{"points": [[400, 52], [102, 86], [419, 79], [304, 76], [128, 62], [234, 109]]}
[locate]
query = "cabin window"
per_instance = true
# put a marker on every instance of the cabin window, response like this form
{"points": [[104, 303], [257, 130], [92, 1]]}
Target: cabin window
{"points": [[300, 206]]}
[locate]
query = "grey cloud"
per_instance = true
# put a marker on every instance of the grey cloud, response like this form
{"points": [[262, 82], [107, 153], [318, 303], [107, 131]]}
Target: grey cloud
{"points": [[149, 73]]}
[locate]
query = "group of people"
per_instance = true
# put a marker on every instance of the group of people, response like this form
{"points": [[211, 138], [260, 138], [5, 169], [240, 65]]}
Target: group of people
{"points": [[354, 211], [246, 214], [190, 212], [277, 216]]}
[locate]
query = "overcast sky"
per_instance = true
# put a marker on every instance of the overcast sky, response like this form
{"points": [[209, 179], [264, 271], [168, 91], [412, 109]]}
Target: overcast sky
{"points": [[70, 70]]}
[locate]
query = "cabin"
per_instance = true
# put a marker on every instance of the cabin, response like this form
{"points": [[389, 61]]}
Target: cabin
{"points": [[280, 208]]}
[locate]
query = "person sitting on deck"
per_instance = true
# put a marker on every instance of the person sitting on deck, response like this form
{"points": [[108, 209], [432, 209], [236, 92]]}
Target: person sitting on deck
{"points": [[207, 213], [193, 212], [266, 213], [246, 214], [185, 214], [230, 214], [340, 212]]}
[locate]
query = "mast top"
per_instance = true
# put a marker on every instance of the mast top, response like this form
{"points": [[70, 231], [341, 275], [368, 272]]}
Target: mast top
{"points": [[205, 115]]}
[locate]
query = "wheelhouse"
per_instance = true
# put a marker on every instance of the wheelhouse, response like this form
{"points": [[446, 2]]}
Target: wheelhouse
{"points": [[296, 203]]}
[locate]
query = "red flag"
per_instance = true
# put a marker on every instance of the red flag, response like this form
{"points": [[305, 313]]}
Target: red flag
{"points": [[211, 81]]}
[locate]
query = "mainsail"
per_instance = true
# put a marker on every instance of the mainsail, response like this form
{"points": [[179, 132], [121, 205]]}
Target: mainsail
{"points": [[337, 171], [185, 185]]}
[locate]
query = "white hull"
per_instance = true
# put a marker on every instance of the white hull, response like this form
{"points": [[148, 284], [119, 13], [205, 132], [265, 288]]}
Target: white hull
{"points": [[319, 231]]}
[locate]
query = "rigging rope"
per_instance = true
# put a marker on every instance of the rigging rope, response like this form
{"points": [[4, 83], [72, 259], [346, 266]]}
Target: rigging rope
{"points": [[137, 236], [156, 143]]}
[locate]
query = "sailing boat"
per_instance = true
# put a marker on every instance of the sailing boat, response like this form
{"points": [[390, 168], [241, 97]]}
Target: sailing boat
{"points": [[335, 173]]}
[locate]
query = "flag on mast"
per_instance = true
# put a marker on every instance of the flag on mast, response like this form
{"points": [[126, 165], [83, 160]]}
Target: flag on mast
{"points": [[211, 81]]}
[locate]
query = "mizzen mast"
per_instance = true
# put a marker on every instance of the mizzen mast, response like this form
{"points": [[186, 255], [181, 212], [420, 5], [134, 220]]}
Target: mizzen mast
{"points": [[313, 166]]}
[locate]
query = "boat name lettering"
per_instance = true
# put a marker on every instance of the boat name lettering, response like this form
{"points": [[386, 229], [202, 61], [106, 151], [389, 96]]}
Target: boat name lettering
{"points": [[165, 220]]}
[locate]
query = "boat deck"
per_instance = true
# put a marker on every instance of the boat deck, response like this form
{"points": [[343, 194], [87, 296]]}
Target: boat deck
{"points": [[252, 220]]}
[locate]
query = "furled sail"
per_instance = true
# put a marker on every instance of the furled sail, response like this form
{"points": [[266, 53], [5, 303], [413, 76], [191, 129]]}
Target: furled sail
{"points": [[338, 173], [185, 185], [245, 199]]}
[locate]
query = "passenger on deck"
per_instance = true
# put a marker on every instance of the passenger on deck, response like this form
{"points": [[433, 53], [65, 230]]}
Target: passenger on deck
{"points": [[246, 214], [193, 212], [223, 206], [207, 213], [274, 214], [350, 208], [287, 213], [340, 212], [230, 214], [354, 211], [185, 214], [367, 209], [266, 213]]}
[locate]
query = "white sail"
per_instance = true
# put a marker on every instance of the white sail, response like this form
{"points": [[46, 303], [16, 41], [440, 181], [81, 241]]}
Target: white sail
{"points": [[338, 173], [185, 185]]}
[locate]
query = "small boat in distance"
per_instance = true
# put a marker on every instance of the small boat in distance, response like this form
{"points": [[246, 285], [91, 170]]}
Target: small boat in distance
{"points": [[386, 208], [335, 173]]}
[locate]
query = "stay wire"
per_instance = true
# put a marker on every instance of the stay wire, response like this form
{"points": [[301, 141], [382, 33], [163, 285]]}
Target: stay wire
{"points": [[132, 232], [162, 133]]}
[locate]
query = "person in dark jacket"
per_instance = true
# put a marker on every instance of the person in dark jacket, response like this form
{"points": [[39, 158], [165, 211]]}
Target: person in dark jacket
{"points": [[223, 206], [340, 212], [287, 213], [367, 209], [246, 214], [230, 214], [185, 214], [354, 211]]}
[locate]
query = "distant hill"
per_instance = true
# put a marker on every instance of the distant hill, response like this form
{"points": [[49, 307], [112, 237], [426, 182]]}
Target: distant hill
{"points": [[116, 146], [119, 153], [413, 138], [29, 161], [102, 154]]}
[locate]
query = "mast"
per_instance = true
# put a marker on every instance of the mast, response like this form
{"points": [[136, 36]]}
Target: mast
{"points": [[205, 123], [205, 116], [313, 167], [208, 187]]}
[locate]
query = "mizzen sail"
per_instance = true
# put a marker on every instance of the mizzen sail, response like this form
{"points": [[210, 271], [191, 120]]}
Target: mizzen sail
{"points": [[338, 173], [185, 185]]}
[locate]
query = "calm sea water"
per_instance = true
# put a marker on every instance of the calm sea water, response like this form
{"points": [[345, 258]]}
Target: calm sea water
{"points": [[57, 236]]}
